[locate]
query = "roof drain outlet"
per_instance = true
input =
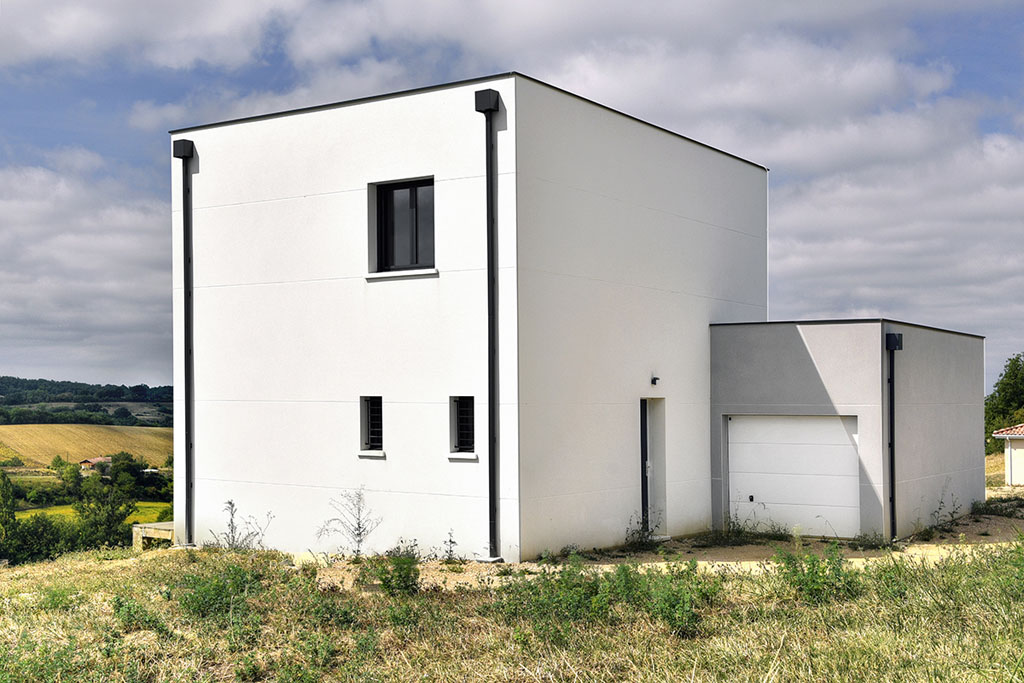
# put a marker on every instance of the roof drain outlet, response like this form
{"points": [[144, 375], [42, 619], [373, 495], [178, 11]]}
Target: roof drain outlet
{"points": [[893, 343], [488, 103], [185, 150]]}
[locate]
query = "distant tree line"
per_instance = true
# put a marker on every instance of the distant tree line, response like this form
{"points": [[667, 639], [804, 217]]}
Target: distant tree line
{"points": [[1004, 407], [17, 391], [81, 413]]}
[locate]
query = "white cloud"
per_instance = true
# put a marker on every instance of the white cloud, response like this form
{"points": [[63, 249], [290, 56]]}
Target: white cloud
{"points": [[85, 273], [886, 198], [166, 34]]}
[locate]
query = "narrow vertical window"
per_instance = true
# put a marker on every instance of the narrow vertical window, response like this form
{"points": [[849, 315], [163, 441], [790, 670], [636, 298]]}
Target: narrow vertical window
{"points": [[462, 425], [372, 423], [405, 225]]}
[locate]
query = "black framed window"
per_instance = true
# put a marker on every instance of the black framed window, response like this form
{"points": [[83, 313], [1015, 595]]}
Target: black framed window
{"points": [[405, 225], [462, 424], [371, 416]]}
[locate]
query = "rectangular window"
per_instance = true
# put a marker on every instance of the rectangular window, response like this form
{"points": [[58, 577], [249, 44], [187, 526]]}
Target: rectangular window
{"points": [[405, 225], [371, 417], [461, 411]]}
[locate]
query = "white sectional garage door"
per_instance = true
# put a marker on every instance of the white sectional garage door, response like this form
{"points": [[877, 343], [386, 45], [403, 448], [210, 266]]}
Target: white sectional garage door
{"points": [[795, 471]]}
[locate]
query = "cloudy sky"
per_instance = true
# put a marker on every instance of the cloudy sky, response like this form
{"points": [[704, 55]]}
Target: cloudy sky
{"points": [[894, 132]]}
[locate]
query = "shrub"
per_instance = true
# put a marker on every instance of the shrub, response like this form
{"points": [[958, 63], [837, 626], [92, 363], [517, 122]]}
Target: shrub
{"points": [[675, 596], [872, 541], [12, 462], [735, 532], [219, 595], [817, 579], [640, 537], [323, 608], [1009, 506], [573, 593], [44, 537], [134, 617], [237, 538], [355, 520], [398, 570], [578, 594]]}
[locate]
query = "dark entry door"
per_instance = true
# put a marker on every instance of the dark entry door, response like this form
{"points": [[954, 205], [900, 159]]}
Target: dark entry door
{"points": [[645, 519]]}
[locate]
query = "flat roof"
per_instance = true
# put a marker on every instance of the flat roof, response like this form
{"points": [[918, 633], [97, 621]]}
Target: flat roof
{"points": [[847, 321], [444, 86]]}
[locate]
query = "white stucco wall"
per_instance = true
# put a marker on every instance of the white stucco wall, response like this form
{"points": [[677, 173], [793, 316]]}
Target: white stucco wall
{"points": [[940, 451], [801, 369], [289, 331], [630, 241], [1013, 461]]}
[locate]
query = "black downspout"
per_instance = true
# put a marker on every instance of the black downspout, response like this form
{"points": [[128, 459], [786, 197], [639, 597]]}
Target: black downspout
{"points": [[185, 150], [488, 102], [893, 343]]}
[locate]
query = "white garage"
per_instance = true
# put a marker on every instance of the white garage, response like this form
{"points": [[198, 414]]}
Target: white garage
{"points": [[844, 427], [795, 471]]}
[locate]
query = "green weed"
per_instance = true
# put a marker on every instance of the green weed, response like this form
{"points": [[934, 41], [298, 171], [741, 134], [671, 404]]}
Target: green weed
{"points": [[220, 594], [59, 598], [134, 617], [817, 579]]}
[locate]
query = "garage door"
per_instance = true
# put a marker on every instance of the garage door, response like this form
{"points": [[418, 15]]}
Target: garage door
{"points": [[795, 471]]}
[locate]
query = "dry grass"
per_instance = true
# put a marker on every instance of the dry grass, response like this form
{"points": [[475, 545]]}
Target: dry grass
{"points": [[114, 616], [995, 470], [37, 444]]}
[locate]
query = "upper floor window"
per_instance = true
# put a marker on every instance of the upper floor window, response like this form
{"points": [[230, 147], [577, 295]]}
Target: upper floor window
{"points": [[461, 421], [371, 418], [405, 225]]}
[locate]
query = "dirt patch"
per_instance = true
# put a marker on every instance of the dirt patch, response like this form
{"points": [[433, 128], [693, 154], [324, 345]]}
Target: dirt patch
{"points": [[970, 531]]}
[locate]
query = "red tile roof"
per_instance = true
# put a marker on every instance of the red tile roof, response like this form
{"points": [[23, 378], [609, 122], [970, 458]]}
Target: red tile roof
{"points": [[1015, 430]]}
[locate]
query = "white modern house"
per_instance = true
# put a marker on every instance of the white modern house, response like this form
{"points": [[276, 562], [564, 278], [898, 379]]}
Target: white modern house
{"points": [[1013, 450], [489, 304]]}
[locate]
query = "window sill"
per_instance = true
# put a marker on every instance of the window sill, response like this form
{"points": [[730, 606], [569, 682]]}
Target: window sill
{"points": [[402, 274], [463, 457], [374, 455]]}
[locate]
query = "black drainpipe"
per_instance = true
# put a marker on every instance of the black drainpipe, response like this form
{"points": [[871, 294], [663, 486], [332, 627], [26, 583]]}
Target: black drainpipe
{"points": [[488, 102], [185, 150], [893, 343]]}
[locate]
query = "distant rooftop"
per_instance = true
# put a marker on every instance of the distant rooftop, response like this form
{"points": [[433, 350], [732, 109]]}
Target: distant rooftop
{"points": [[1010, 432]]}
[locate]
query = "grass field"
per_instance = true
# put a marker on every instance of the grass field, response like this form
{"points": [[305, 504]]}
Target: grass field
{"points": [[208, 615], [147, 512], [37, 444]]}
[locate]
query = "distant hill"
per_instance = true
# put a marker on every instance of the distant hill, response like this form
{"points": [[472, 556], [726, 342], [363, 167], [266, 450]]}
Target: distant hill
{"points": [[15, 391], [37, 444], [47, 401]]}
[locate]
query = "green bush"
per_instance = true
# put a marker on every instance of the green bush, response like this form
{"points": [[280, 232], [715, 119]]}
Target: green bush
{"points": [[219, 595], [134, 617], [674, 597], [576, 593], [12, 462], [321, 608], [818, 579], [398, 570], [43, 537]]}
